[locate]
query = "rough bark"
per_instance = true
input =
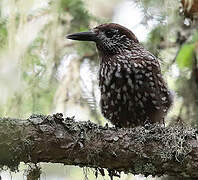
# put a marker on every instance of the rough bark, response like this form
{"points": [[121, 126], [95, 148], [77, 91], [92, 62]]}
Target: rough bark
{"points": [[149, 150]]}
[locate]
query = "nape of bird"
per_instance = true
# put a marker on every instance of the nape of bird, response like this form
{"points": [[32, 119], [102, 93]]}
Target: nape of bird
{"points": [[133, 91]]}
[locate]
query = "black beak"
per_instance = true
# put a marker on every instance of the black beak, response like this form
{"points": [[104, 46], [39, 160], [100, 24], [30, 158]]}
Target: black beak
{"points": [[83, 36]]}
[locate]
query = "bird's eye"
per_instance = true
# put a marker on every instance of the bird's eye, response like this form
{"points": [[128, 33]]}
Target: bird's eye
{"points": [[109, 34]]}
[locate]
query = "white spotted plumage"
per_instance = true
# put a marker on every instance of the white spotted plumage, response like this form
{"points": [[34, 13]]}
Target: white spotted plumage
{"points": [[133, 91]]}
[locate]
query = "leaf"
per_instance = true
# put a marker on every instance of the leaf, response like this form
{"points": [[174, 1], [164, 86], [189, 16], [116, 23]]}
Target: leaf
{"points": [[195, 37], [185, 56]]}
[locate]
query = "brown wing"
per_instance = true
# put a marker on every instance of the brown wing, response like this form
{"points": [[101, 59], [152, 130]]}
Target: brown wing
{"points": [[151, 95]]}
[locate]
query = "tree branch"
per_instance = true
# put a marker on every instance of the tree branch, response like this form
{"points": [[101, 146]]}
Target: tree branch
{"points": [[150, 150]]}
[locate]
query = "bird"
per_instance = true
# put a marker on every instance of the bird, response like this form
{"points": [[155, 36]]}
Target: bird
{"points": [[133, 91]]}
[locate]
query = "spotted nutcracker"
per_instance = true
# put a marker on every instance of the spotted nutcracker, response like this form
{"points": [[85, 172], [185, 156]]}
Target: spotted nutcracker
{"points": [[133, 91]]}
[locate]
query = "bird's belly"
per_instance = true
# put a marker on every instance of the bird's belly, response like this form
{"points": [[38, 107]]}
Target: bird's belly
{"points": [[117, 103], [126, 106]]}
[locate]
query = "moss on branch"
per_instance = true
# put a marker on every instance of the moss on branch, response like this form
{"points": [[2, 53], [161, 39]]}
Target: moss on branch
{"points": [[149, 150]]}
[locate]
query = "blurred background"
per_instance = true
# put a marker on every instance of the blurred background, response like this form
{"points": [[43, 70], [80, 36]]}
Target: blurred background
{"points": [[43, 72]]}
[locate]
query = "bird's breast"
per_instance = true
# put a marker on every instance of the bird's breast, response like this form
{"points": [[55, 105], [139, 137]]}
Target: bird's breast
{"points": [[130, 93], [117, 88]]}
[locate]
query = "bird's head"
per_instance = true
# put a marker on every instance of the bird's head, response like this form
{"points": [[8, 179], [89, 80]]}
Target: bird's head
{"points": [[110, 38]]}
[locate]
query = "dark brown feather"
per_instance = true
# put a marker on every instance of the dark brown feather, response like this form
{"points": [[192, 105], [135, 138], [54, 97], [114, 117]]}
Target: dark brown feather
{"points": [[133, 91]]}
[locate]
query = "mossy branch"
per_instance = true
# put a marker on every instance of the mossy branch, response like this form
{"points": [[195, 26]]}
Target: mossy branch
{"points": [[149, 150]]}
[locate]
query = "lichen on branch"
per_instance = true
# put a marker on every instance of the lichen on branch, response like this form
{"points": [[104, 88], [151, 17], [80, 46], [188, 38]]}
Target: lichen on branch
{"points": [[149, 150]]}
